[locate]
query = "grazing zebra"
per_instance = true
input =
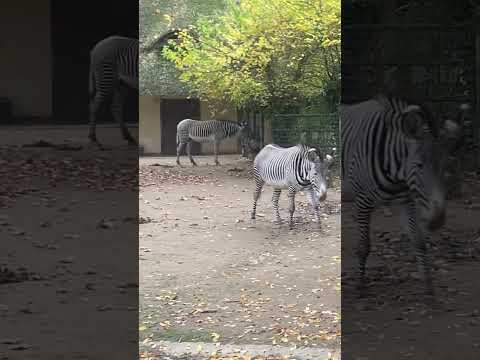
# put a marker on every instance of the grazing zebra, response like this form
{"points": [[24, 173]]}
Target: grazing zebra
{"points": [[215, 131], [396, 152], [295, 168], [113, 69]]}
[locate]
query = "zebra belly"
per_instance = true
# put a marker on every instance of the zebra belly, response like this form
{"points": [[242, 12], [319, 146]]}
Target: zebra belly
{"points": [[202, 139], [277, 184]]}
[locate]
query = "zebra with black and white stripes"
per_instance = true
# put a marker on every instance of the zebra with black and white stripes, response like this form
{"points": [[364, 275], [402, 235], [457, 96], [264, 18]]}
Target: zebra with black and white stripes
{"points": [[214, 131], [113, 69], [396, 152], [297, 168]]}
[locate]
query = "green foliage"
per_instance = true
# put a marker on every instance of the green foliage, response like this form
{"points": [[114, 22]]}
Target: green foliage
{"points": [[157, 75], [263, 53]]}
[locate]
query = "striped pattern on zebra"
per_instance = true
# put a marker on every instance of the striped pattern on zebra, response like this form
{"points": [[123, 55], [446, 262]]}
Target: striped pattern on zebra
{"points": [[297, 168], [113, 68], [214, 131], [396, 152]]}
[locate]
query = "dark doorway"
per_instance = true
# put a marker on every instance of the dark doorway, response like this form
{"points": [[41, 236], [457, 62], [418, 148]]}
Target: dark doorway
{"points": [[171, 113], [74, 33]]}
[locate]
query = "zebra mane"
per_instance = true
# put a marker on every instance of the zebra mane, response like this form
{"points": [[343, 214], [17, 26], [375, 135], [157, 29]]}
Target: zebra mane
{"points": [[307, 147], [397, 105]]}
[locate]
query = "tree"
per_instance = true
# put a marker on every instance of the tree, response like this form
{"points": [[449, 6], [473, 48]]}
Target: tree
{"points": [[263, 53], [158, 17]]}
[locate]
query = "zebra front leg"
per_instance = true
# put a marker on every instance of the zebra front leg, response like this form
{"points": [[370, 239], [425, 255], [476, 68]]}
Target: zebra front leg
{"points": [[216, 145], [275, 199], [291, 208], [406, 231], [424, 266], [180, 148], [189, 152], [420, 235], [363, 250], [256, 195], [316, 208], [118, 112]]}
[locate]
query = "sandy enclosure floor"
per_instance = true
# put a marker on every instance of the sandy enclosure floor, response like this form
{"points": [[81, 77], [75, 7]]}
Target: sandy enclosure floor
{"points": [[62, 216], [208, 274], [393, 321]]}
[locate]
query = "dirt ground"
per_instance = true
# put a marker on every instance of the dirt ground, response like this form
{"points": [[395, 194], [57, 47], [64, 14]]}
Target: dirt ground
{"points": [[393, 321], [208, 274], [62, 216]]}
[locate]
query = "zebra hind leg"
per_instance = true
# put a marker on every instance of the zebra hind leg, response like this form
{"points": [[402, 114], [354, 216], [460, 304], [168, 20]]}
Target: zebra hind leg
{"points": [[189, 152], [118, 112], [215, 150], [291, 208], [275, 199], [180, 148], [256, 195], [96, 106]]}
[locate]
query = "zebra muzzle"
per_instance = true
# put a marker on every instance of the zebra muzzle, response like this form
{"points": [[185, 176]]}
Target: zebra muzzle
{"points": [[439, 216]]}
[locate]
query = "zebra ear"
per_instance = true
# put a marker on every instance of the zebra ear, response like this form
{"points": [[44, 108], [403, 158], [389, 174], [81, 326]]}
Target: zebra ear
{"points": [[413, 122], [328, 159], [312, 155], [451, 131]]}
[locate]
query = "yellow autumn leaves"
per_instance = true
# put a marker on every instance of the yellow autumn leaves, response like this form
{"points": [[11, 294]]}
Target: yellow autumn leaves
{"points": [[263, 51]]}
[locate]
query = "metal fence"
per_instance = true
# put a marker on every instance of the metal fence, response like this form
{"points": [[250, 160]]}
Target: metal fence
{"points": [[314, 129], [256, 123], [319, 130], [441, 70]]}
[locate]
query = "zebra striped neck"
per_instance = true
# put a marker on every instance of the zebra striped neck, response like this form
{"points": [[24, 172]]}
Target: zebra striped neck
{"points": [[231, 129], [302, 167]]}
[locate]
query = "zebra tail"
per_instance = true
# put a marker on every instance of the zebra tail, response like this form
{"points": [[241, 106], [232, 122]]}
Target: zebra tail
{"points": [[91, 83]]}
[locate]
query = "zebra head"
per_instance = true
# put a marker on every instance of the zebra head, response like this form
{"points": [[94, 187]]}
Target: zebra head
{"points": [[317, 174], [427, 150], [244, 136]]}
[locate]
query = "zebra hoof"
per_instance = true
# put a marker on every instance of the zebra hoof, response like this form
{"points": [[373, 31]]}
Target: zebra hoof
{"points": [[95, 144]]}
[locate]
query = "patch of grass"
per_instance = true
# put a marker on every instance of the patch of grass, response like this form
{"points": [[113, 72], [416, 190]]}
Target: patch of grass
{"points": [[185, 335]]}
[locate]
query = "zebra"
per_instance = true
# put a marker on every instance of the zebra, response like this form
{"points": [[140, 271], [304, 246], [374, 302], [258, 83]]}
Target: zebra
{"points": [[215, 131], [296, 168], [113, 68], [395, 152]]}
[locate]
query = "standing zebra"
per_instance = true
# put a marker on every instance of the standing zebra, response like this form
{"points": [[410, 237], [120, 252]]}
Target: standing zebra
{"points": [[113, 65], [295, 168], [395, 152], [215, 131]]}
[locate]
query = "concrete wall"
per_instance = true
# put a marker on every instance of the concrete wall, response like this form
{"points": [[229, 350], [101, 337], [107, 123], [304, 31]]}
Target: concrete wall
{"points": [[28, 84], [149, 124], [228, 146]]}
